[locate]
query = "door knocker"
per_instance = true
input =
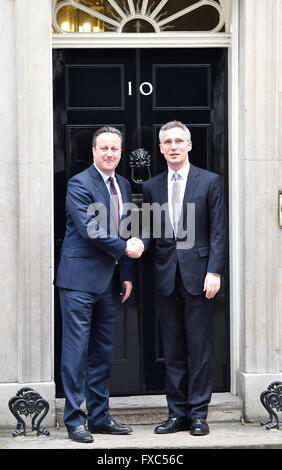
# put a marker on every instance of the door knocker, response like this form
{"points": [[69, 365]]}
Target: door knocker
{"points": [[139, 159]]}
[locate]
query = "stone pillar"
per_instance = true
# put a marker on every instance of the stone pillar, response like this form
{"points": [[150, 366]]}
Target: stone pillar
{"points": [[260, 323], [9, 197], [279, 250], [26, 333]]}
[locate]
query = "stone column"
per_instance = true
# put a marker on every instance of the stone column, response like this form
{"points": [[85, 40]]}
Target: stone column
{"points": [[279, 250], [260, 347], [26, 333]]}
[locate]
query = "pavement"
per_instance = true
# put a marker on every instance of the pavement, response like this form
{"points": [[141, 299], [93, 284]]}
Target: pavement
{"points": [[227, 432], [222, 436]]}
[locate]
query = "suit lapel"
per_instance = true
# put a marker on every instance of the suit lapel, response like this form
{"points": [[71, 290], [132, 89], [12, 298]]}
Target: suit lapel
{"points": [[191, 184], [100, 184], [103, 190], [163, 192]]}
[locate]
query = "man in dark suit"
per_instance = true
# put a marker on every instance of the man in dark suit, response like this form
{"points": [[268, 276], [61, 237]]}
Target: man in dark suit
{"points": [[187, 277], [94, 269]]}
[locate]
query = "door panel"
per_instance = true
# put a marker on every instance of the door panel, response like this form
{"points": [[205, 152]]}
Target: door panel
{"points": [[137, 91], [166, 96], [101, 87]]}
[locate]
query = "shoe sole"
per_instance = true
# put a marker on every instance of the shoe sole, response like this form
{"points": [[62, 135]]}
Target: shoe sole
{"points": [[172, 432], [113, 433], [81, 441], [195, 433]]}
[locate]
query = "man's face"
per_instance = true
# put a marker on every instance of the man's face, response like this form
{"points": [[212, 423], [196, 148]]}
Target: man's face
{"points": [[175, 147], [107, 152]]}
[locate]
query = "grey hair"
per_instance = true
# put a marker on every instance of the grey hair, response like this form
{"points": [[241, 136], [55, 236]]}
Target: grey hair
{"points": [[102, 130], [170, 125]]}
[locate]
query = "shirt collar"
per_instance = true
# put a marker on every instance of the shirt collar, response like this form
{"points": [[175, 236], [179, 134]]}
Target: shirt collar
{"points": [[183, 172], [104, 176]]}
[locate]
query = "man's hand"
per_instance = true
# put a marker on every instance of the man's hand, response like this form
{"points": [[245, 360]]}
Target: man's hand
{"points": [[127, 290], [211, 285], [134, 247]]}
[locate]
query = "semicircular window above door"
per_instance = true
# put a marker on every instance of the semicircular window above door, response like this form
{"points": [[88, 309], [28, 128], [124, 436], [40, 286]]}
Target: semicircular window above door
{"points": [[139, 16]]}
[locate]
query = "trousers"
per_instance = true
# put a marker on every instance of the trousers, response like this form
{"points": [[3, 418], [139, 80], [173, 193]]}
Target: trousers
{"points": [[88, 336], [186, 325]]}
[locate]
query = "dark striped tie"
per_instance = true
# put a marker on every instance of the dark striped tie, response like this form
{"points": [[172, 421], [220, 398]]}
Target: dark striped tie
{"points": [[115, 199]]}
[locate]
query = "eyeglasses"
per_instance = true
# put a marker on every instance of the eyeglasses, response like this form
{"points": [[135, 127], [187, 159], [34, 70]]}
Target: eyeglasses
{"points": [[178, 142]]}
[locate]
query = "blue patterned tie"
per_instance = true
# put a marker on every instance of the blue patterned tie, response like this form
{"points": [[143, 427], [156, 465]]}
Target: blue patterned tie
{"points": [[115, 199]]}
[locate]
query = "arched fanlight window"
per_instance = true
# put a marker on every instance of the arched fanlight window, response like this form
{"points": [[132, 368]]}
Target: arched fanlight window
{"points": [[139, 16]]}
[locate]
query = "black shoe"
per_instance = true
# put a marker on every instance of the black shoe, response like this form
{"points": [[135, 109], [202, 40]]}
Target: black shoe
{"points": [[80, 434], [173, 425], [199, 427], [110, 428]]}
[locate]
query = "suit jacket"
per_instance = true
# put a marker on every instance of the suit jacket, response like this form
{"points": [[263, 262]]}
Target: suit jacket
{"points": [[87, 263], [208, 252]]}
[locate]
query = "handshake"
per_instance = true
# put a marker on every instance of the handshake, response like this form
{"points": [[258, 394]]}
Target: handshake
{"points": [[134, 247]]}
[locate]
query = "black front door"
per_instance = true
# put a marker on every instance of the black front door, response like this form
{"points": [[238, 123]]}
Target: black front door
{"points": [[137, 91]]}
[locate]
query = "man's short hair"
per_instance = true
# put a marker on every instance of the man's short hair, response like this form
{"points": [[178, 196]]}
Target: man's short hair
{"points": [[108, 129], [171, 124]]}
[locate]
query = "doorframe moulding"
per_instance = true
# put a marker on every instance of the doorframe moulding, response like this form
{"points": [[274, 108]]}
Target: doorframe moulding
{"points": [[197, 40], [135, 40]]}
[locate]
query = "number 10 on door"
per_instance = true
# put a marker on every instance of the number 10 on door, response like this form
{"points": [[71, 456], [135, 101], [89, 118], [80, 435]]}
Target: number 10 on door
{"points": [[146, 88]]}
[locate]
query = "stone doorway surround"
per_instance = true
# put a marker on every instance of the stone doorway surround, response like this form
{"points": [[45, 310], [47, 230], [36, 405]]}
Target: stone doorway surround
{"points": [[255, 103], [259, 318], [26, 324]]}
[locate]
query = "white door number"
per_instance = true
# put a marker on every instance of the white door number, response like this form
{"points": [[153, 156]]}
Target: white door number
{"points": [[146, 88]]}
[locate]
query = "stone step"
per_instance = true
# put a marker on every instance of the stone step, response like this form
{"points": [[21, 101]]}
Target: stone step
{"points": [[152, 409]]}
